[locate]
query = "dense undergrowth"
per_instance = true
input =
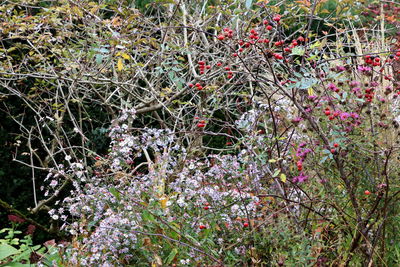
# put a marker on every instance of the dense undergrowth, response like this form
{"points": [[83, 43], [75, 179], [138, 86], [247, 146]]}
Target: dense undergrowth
{"points": [[254, 133]]}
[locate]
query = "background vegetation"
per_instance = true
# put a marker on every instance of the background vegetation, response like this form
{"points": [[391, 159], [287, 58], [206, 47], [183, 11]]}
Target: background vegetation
{"points": [[216, 133]]}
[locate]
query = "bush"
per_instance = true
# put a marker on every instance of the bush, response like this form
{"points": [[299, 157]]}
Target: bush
{"points": [[242, 141]]}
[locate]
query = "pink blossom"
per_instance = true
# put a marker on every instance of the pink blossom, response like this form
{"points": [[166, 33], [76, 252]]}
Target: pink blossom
{"points": [[300, 178], [31, 229], [344, 115], [364, 69], [354, 83], [15, 218]]}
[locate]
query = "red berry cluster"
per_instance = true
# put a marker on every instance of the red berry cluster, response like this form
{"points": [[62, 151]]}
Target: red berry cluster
{"points": [[227, 32], [254, 34], [200, 123], [369, 94], [198, 86], [277, 18], [299, 165], [372, 60], [278, 56], [331, 114], [203, 66], [229, 72]]}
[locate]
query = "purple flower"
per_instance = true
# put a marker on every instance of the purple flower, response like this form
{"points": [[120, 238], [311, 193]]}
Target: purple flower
{"points": [[340, 68], [301, 178], [332, 87], [297, 119], [302, 144], [364, 69], [354, 83], [344, 115]]}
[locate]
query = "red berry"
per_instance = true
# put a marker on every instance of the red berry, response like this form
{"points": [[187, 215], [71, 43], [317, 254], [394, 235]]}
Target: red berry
{"points": [[367, 192], [327, 112], [190, 85], [398, 54], [208, 67], [201, 125], [336, 145], [227, 68], [198, 84], [200, 87], [221, 37], [219, 64], [333, 151], [299, 168], [201, 62], [202, 227], [206, 207], [246, 224], [235, 54], [269, 27], [277, 18]]}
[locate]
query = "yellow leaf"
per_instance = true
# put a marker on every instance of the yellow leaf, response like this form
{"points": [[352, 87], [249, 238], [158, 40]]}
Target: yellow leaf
{"points": [[120, 64], [163, 202], [310, 91], [125, 56], [283, 177]]}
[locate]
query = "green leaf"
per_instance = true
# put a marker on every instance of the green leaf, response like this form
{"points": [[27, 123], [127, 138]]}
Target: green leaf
{"points": [[171, 256], [6, 251], [99, 59], [15, 264], [147, 216], [115, 193], [276, 173], [248, 3], [297, 51]]}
